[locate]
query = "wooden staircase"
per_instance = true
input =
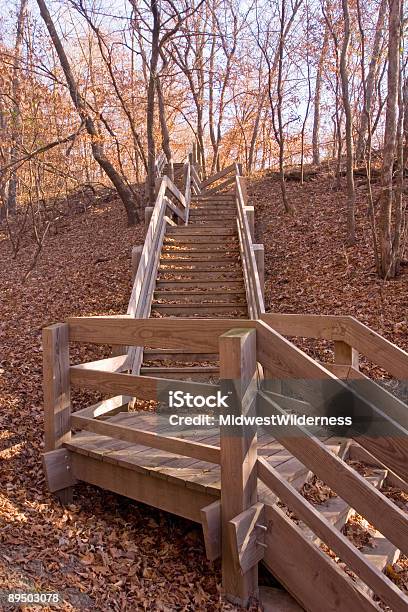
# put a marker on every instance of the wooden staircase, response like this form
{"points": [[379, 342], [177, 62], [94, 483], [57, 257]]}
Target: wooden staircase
{"points": [[196, 314], [199, 276]]}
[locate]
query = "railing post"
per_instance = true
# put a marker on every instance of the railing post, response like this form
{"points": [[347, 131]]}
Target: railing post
{"points": [[344, 354], [148, 214], [250, 213], [238, 445], [259, 251], [57, 409], [136, 255], [57, 400]]}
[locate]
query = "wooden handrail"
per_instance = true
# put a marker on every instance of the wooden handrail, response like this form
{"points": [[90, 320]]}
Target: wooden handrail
{"points": [[255, 300], [340, 544], [347, 483], [348, 329], [216, 177], [169, 198]]}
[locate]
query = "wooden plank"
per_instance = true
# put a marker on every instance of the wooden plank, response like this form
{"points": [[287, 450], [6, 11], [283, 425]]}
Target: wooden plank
{"points": [[379, 350], [204, 452], [238, 453], [143, 387], [288, 362], [311, 577], [199, 335], [247, 534], [373, 577], [325, 327], [57, 400], [219, 175], [345, 354], [165, 495], [58, 469], [106, 407], [211, 522], [374, 393], [339, 476], [220, 186]]}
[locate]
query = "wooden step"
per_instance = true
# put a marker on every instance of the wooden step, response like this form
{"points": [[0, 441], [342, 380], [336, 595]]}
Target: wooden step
{"points": [[200, 275], [200, 238], [194, 294], [198, 308], [211, 224], [203, 249], [179, 284], [189, 373], [210, 256], [200, 253], [170, 354], [167, 265], [193, 231]]}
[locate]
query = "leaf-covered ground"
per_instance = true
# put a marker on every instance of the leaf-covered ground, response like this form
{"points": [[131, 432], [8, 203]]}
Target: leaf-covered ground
{"points": [[309, 268], [105, 552]]}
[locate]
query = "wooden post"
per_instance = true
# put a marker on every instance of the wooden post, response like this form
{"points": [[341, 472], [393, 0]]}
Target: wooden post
{"points": [[136, 255], [148, 214], [250, 213], [57, 400], [259, 251], [238, 454], [344, 354]]}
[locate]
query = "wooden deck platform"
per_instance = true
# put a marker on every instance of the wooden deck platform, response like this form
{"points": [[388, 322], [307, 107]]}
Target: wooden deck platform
{"points": [[185, 472]]}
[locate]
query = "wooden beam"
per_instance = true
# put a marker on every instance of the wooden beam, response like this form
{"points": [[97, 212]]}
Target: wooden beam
{"points": [[211, 522], [136, 255], [325, 327], [250, 214], [229, 181], [218, 176], [320, 387], [379, 350], [344, 354], [346, 482], [335, 540], [58, 469], [309, 575], [198, 335], [247, 534], [238, 453], [259, 251], [163, 494], [151, 439], [142, 387], [57, 400], [374, 393]]}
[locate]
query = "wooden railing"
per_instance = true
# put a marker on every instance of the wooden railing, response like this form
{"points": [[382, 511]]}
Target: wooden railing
{"points": [[253, 287], [171, 207], [241, 514]]}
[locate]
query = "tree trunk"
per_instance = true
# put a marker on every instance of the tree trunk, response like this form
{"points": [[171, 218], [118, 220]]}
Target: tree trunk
{"points": [[164, 129], [387, 255], [124, 192], [317, 96], [16, 119], [351, 196], [370, 82]]}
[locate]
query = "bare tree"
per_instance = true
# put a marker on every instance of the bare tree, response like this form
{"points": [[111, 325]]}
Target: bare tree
{"points": [[317, 97], [391, 220], [128, 198], [369, 81], [344, 74], [16, 114]]}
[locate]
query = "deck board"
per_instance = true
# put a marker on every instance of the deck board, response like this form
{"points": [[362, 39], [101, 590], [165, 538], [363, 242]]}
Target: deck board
{"points": [[185, 471]]}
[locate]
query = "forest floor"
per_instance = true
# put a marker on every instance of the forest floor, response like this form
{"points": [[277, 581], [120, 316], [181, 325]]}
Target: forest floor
{"points": [[105, 552]]}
